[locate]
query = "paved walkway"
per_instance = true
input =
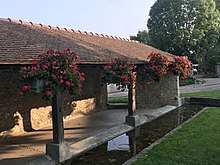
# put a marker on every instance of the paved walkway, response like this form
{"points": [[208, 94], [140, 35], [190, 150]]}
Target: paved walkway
{"points": [[209, 85]]}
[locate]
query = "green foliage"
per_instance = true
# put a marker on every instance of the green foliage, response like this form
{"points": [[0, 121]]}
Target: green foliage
{"points": [[196, 142], [183, 27], [187, 81], [142, 37]]}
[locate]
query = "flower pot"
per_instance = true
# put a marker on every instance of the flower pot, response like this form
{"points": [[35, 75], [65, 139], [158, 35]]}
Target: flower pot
{"points": [[37, 85]]}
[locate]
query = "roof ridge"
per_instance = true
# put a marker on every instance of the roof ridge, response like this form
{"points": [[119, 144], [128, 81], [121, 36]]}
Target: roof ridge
{"points": [[68, 30]]}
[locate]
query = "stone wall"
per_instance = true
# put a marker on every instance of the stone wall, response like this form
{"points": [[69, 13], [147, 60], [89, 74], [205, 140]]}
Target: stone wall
{"points": [[24, 113], [152, 94]]}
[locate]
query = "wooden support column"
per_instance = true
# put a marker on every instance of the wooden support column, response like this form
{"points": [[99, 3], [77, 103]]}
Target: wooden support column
{"points": [[58, 149], [131, 118], [57, 117], [131, 101]]}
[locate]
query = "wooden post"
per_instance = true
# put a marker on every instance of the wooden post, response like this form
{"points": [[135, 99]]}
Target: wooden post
{"points": [[131, 101], [58, 149], [57, 117], [131, 118]]}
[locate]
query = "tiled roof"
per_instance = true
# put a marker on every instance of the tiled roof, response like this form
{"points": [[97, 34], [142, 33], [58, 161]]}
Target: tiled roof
{"points": [[20, 41]]}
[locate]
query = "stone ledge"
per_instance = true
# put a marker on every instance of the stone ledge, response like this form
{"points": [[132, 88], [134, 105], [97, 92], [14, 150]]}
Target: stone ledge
{"points": [[91, 142], [201, 101]]}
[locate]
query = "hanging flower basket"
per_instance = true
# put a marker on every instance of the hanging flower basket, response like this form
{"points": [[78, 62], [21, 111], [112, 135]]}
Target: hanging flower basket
{"points": [[180, 66], [119, 72], [50, 70], [156, 67]]}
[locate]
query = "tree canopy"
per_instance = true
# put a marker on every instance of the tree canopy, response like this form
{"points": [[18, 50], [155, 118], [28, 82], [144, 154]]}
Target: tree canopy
{"points": [[142, 37], [184, 27]]}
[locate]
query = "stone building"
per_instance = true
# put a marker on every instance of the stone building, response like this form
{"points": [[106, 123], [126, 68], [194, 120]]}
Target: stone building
{"points": [[20, 41]]}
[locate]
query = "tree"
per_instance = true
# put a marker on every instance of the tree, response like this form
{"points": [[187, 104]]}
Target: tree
{"points": [[142, 37], [181, 26], [217, 4]]}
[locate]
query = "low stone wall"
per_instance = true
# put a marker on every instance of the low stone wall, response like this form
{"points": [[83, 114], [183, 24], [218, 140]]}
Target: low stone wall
{"points": [[152, 94], [201, 101], [24, 113]]}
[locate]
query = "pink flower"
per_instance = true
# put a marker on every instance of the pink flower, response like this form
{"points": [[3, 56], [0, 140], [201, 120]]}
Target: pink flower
{"points": [[46, 83], [34, 68], [25, 76], [67, 83], [82, 79], [24, 88], [123, 77], [55, 67], [34, 60], [20, 93], [120, 66], [56, 55], [114, 73], [76, 57], [24, 68], [68, 51], [48, 93], [74, 66], [107, 67], [45, 66], [61, 81]]}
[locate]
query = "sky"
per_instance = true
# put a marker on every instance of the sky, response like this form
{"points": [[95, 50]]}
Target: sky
{"points": [[120, 18]]}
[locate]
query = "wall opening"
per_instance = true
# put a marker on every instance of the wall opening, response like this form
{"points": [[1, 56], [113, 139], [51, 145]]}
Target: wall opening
{"points": [[116, 97]]}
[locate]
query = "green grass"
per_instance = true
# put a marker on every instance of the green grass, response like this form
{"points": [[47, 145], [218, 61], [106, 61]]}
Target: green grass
{"points": [[121, 99], [196, 143], [209, 94]]}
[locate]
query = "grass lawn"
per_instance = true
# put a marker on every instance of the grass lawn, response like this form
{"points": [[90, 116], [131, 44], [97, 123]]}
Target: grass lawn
{"points": [[121, 99], [210, 94], [196, 143]]}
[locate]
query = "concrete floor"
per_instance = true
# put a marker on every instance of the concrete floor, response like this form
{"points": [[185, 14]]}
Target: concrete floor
{"points": [[31, 146]]}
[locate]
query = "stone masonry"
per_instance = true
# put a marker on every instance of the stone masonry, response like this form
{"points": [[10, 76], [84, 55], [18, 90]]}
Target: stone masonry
{"points": [[24, 113], [152, 94]]}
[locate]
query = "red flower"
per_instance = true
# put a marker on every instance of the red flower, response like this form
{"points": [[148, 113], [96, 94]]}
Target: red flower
{"points": [[45, 66], [107, 67], [67, 83], [34, 68], [48, 93], [76, 57], [61, 81], [24, 76], [81, 79], [74, 66], [20, 93], [124, 77], [46, 83], [24, 68], [24, 88], [56, 55]]}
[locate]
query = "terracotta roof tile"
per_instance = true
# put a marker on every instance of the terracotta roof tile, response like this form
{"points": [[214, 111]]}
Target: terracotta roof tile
{"points": [[20, 41]]}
